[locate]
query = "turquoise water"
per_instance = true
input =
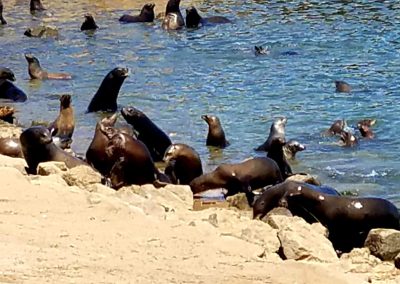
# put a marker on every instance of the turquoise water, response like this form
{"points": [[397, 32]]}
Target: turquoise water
{"points": [[178, 76]]}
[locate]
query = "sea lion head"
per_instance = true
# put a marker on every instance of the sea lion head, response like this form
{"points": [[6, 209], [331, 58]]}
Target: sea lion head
{"points": [[6, 74], [31, 59], [171, 152], [259, 50], [35, 135], [148, 11], [132, 114], [294, 146], [119, 72], [65, 101], [342, 87], [172, 6], [89, 23], [211, 119], [192, 17]]}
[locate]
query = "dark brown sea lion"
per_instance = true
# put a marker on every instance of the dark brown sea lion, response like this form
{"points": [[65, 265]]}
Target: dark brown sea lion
{"points": [[365, 131], [96, 153], [146, 15], [336, 128], [242, 177], [347, 219], [36, 5], [11, 147], [2, 20], [291, 148], [173, 18], [7, 89], [342, 87], [216, 135], [277, 130], [148, 132], [106, 96], [64, 124], [183, 163], [348, 139], [132, 161], [36, 71], [259, 50], [368, 122], [194, 20], [89, 23], [37, 146], [276, 153]]}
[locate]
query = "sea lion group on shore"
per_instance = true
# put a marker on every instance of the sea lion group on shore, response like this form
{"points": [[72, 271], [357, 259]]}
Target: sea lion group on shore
{"points": [[129, 157]]}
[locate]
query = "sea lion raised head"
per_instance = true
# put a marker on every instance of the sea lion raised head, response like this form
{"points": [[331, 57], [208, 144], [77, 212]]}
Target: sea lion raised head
{"points": [[193, 19], [336, 128], [277, 130], [173, 18], [6, 74], [89, 23], [146, 15], [216, 135], [291, 147]]}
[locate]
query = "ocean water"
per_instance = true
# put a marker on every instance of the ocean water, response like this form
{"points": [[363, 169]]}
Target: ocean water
{"points": [[178, 76]]}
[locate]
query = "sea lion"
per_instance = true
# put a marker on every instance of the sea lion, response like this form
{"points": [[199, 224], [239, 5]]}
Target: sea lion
{"points": [[7, 89], [276, 153], [277, 130], [336, 128], [42, 32], [64, 124], [89, 23], [148, 132], [7, 114], [173, 18], [291, 148], [2, 20], [259, 50], [37, 146], [347, 139], [36, 71], [146, 15], [241, 177], [194, 20], [183, 163], [348, 219], [365, 131], [342, 87], [216, 135], [132, 161], [368, 122], [105, 98], [11, 147], [36, 5]]}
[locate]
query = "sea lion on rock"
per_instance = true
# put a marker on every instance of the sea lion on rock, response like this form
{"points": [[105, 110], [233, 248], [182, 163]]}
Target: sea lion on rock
{"points": [[146, 15], [347, 219], [132, 161], [342, 87], [183, 163], [36, 71], [7, 89], [194, 20], [276, 153], [11, 147], [2, 20], [106, 96], [37, 146], [291, 148], [89, 23], [173, 18], [277, 130], [36, 5], [148, 132], [241, 177], [64, 124], [216, 135]]}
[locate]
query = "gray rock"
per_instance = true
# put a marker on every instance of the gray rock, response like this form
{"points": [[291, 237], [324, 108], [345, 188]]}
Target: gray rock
{"points": [[383, 243], [81, 176], [48, 168]]}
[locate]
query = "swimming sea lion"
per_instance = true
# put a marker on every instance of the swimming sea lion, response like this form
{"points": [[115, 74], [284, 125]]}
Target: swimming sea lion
{"points": [[173, 18], [241, 177], [133, 163], [64, 124], [367, 122], [348, 139], [194, 20], [336, 128], [36, 71], [146, 15], [365, 131], [2, 20], [37, 146], [347, 219], [11, 147], [105, 98], [291, 148], [7, 89], [259, 50], [216, 135], [277, 130], [148, 132], [275, 153], [89, 23], [183, 163], [342, 87], [36, 5]]}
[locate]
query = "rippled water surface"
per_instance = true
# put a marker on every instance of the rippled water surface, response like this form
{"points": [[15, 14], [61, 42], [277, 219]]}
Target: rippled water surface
{"points": [[178, 76]]}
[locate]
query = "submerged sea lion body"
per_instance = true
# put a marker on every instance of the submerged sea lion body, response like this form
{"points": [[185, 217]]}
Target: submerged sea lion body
{"points": [[194, 20]]}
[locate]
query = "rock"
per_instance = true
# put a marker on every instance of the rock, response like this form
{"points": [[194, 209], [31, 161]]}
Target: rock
{"points": [[9, 130], [17, 163], [183, 192], [42, 32], [238, 201], [300, 241], [10, 176], [304, 178], [48, 168], [359, 260], [100, 188], [277, 221], [81, 176], [53, 181], [383, 243], [397, 261]]}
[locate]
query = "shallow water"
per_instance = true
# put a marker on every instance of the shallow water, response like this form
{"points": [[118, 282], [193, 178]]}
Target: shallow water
{"points": [[178, 76]]}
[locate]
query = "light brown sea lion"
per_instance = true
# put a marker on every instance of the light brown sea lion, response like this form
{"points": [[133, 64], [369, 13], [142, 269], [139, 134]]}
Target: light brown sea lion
{"points": [[64, 124], [36, 71], [342, 87]]}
